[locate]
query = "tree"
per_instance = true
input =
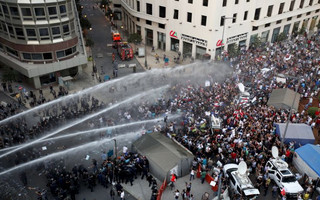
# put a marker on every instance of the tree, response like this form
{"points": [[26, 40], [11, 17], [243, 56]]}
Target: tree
{"points": [[85, 23], [104, 2], [9, 74], [256, 42], [282, 36], [135, 38], [302, 31], [233, 50], [89, 43]]}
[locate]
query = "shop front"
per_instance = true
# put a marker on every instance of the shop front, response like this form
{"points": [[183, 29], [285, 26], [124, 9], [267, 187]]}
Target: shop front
{"points": [[189, 41], [149, 37], [161, 41]]}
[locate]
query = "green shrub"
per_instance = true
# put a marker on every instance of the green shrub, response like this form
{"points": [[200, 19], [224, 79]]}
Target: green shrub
{"points": [[312, 111]]}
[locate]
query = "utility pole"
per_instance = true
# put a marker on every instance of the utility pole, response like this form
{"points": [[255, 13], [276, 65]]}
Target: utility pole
{"points": [[224, 27], [145, 49]]}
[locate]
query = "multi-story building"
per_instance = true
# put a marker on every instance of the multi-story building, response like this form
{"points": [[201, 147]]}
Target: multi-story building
{"points": [[198, 27], [41, 39]]}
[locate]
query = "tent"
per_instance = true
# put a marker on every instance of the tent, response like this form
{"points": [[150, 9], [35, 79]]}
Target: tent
{"points": [[283, 98], [299, 133], [164, 154], [307, 160]]}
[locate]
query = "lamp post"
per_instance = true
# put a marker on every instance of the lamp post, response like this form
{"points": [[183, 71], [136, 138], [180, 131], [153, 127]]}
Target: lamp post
{"points": [[224, 27], [290, 113], [145, 49]]}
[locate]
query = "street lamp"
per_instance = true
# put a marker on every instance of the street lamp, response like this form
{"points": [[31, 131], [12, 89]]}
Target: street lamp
{"points": [[145, 50], [290, 113], [224, 27]]}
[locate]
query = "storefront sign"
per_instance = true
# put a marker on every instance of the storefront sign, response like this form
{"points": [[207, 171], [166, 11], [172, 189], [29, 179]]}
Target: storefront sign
{"points": [[191, 39], [237, 38], [173, 34], [219, 43]]}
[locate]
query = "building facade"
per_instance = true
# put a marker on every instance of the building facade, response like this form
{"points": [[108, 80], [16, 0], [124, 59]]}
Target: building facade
{"points": [[41, 39], [198, 27]]}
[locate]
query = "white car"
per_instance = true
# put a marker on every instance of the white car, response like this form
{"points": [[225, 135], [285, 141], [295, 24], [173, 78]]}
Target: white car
{"points": [[240, 182], [283, 177]]}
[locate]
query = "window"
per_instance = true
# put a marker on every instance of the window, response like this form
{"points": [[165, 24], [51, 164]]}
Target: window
{"points": [[205, 3], [236, 2], [55, 30], [138, 19], [11, 31], [66, 52], [289, 18], [12, 52], [257, 14], [47, 56], [26, 12], [281, 8], [270, 8], [31, 32], [175, 14], [224, 3], [43, 32], [222, 20], [163, 26], [278, 22], [317, 10], [248, 0], [39, 12], [162, 11], [234, 18], [36, 56], [149, 8], [189, 17], [301, 4], [308, 13], [310, 2], [52, 10], [292, 5], [254, 28], [138, 6], [298, 16], [278, 176], [63, 9], [245, 16], [203, 20], [148, 22], [14, 11], [190, 1], [5, 9], [267, 25], [66, 29], [26, 56], [19, 32]]}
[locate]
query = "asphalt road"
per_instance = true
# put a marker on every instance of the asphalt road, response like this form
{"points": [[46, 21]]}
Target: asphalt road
{"points": [[101, 36]]}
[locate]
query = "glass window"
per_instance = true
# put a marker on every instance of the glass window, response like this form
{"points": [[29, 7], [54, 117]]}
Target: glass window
{"points": [[31, 32], [203, 20], [19, 32], [205, 3], [26, 56], [190, 1], [55, 30], [175, 14], [189, 17], [63, 8], [224, 3], [162, 11], [10, 30], [43, 32], [281, 8], [26, 12], [74, 49], [138, 6], [234, 19], [14, 11], [149, 8], [47, 56], [68, 51], [52, 10], [5, 9], [60, 54], [245, 16], [66, 28], [36, 56], [39, 12]]}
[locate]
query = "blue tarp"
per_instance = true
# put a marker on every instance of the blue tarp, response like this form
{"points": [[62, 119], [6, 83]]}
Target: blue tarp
{"points": [[300, 133], [310, 154]]}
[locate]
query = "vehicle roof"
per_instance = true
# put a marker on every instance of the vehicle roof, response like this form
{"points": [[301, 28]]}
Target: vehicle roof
{"points": [[229, 166]]}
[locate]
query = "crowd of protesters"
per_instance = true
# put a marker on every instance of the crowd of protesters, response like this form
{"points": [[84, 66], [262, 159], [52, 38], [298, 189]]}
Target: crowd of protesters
{"points": [[247, 132]]}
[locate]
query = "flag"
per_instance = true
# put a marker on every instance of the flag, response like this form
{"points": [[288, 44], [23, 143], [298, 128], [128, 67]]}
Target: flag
{"points": [[110, 153]]}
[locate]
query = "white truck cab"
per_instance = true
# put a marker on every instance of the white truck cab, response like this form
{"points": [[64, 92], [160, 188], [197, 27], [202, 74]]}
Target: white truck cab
{"points": [[278, 172], [239, 180]]}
